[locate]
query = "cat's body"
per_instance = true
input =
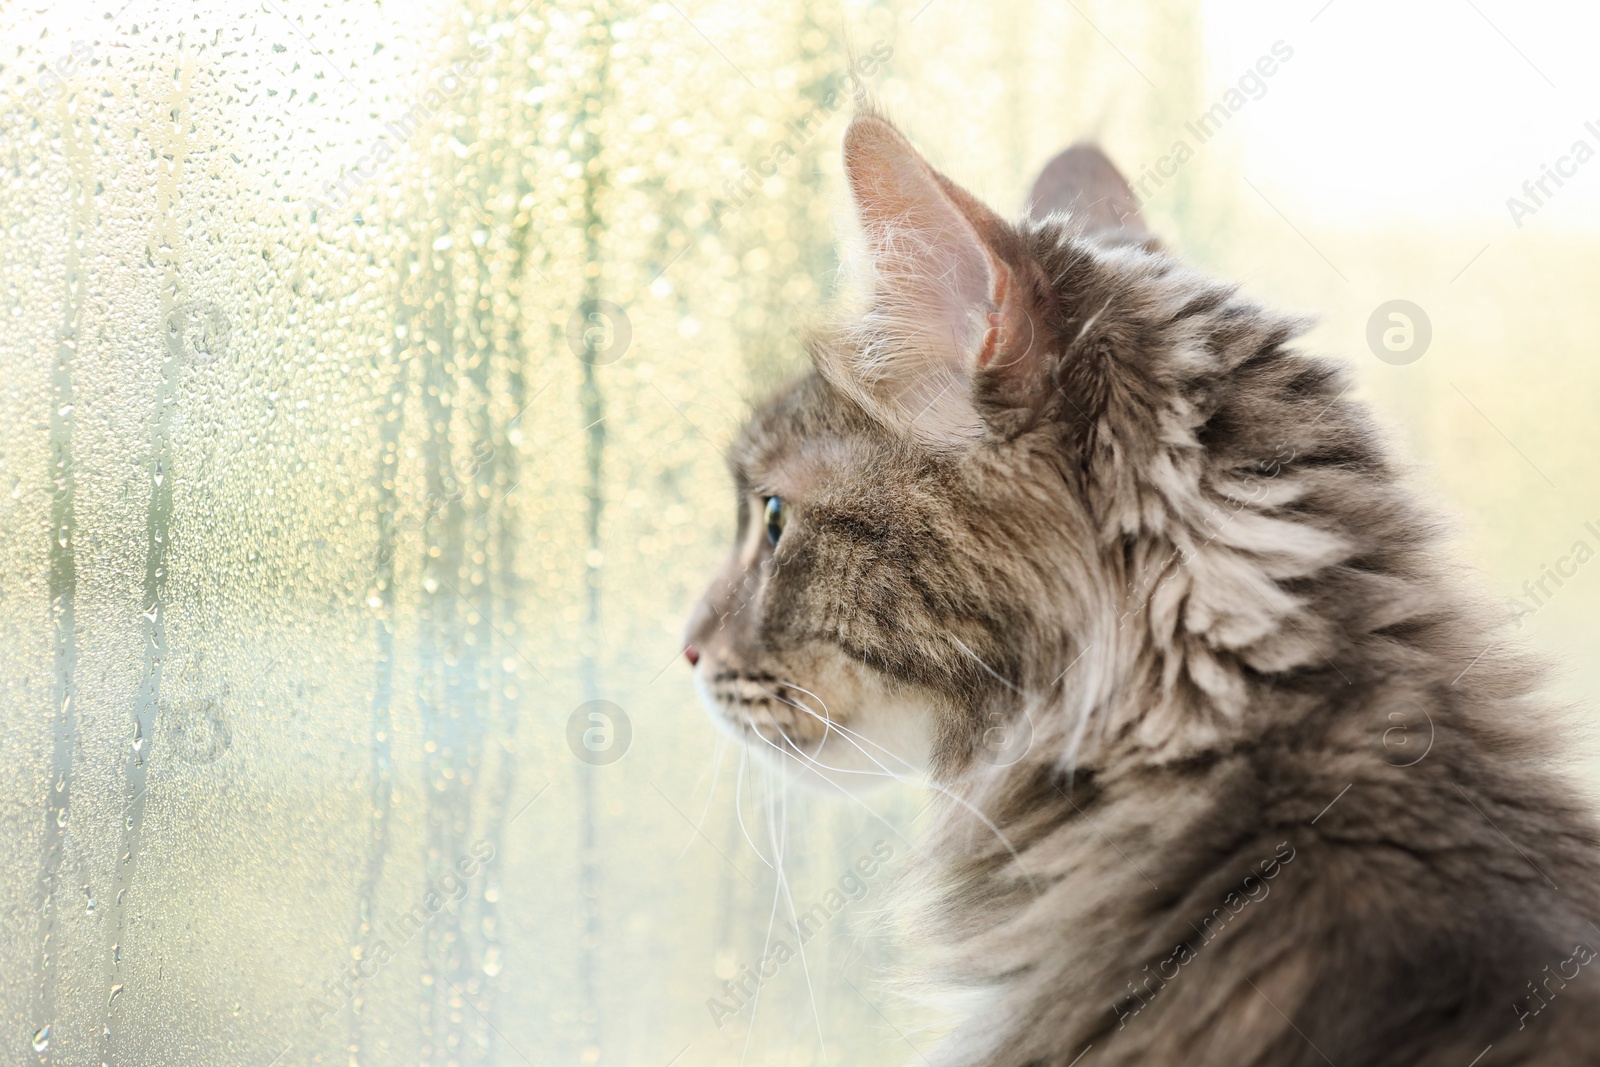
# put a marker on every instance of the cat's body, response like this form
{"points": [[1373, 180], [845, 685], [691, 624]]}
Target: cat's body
{"points": [[1235, 772]]}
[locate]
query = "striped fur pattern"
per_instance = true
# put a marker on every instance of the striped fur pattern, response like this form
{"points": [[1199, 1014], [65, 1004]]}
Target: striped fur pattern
{"points": [[1233, 769]]}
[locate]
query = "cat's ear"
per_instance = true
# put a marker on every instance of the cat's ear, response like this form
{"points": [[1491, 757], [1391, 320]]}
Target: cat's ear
{"points": [[1084, 184], [950, 316]]}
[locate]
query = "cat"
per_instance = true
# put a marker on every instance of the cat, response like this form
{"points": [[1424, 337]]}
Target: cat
{"points": [[1231, 768]]}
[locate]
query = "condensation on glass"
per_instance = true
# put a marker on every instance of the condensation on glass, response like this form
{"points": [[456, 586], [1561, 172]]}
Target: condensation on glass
{"points": [[366, 370]]}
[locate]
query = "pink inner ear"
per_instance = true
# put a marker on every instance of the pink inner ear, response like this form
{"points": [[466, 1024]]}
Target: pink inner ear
{"points": [[926, 254], [994, 338], [945, 304]]}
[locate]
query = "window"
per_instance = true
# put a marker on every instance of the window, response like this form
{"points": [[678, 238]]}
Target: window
{"points": [[367, 370]]}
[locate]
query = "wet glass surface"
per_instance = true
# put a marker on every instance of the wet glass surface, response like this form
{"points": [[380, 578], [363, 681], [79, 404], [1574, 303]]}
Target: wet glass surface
{"points": [[367, 373]]}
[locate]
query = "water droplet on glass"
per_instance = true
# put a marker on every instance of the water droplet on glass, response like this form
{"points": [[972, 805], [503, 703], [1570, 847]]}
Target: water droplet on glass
{"points": [[41, 1038], [116, 991], [61, 817]]}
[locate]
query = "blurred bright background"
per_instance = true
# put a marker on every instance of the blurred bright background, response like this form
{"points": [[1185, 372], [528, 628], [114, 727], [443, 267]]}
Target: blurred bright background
{"points": [[368, 368]]}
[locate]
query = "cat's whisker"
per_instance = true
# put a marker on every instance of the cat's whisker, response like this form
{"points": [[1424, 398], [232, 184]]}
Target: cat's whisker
{"points": [[772, 918], [794, 915], [849, 737], [792, 750], [738, 802], [831, 726], [849, 733], [716, 774], [993, 673], [935, 786], [825, 718]]}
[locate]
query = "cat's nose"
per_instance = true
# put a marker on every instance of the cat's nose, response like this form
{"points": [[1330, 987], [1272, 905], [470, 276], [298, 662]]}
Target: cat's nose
{"points": [[691, 654]]}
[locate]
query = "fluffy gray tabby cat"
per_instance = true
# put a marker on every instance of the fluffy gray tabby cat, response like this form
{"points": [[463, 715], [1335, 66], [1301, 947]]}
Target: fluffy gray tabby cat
{"points": [[1233, 769]]}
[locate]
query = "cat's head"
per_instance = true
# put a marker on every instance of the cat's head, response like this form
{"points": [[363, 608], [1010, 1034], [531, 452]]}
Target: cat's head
{"points": [[943, 529]]}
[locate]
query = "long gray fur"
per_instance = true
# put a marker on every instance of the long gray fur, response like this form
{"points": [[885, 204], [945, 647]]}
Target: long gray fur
{"points": [[1177, 555]]}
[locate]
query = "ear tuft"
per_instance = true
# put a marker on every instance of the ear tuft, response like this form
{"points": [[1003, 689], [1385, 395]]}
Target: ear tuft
{"points": [[932, 282], [943, 302], [923, 251]]}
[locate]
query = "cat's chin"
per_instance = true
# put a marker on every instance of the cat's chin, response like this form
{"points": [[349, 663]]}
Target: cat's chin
{"points": [[886, 740]]}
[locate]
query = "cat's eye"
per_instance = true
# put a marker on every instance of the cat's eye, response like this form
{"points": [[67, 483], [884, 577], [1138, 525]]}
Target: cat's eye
{"points": [[777, 515]]}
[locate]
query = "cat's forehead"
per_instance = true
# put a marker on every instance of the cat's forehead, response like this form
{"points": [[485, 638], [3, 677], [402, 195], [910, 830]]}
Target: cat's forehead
{"points": [[805, 433]]}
